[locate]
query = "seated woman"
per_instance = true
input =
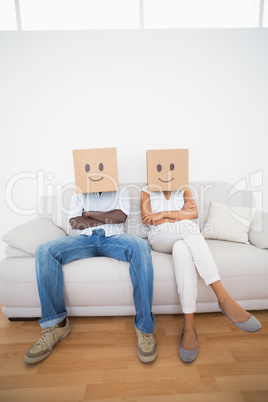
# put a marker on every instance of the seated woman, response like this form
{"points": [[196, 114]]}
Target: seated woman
{"points": [[169, 215]]}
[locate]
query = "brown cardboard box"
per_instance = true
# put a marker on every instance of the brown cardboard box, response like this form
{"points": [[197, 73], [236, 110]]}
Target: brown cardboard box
{"points": [[167, 169], [95, 170]]}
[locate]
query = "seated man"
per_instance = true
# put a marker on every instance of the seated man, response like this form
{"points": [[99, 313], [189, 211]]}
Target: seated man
{"points": [[98, 218]]}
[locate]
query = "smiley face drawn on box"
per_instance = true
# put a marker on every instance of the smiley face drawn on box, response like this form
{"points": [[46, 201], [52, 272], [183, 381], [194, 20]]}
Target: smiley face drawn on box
{"points": [[95, 170], [167, 169]]}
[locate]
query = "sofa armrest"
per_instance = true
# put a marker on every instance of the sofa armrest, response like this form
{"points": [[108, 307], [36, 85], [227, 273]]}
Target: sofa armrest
{"points": [[30, 235], [258, 231]]}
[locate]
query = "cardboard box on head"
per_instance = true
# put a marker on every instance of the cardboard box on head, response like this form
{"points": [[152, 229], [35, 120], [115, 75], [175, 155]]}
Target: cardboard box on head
{"points": [[95, 170], [167, 169]]}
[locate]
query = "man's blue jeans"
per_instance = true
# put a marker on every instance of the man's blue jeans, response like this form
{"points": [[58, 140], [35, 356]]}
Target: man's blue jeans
{"points": [[52, 255]]}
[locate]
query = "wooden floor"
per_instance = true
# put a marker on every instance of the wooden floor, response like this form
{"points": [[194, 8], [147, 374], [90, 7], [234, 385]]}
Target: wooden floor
{"points": [[98, 362]]}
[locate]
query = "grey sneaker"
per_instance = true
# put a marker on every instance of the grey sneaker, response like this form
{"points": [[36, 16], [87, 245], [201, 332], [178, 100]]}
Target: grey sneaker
{"points": [[146, 347], [42, 349]]}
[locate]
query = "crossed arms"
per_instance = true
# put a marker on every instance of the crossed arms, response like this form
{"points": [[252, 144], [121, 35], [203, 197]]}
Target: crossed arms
{"points": [[96, 218], [189, 210]]}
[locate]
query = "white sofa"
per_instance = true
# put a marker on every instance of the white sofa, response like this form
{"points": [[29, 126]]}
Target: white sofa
{"points": [[102, 287]]}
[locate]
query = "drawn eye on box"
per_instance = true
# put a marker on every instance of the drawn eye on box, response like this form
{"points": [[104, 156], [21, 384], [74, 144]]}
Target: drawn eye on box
{"points": [[167, 169], [96, 170]]}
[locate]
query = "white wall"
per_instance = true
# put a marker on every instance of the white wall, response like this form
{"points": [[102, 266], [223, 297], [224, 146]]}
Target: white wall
{"points": [[205, 90]]}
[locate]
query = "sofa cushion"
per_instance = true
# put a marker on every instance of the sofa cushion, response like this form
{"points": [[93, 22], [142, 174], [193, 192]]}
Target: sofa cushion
{"points": [[229, 223], [29, 235], [13, 252], [258, 231]]}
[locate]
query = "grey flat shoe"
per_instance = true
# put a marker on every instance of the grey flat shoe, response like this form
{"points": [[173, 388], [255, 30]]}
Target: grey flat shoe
{"points": [[251, 325], [188, 355]]}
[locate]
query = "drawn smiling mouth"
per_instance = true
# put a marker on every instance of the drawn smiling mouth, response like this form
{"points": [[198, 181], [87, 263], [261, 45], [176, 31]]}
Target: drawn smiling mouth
{"points": [[90, 178], [166, 181]]}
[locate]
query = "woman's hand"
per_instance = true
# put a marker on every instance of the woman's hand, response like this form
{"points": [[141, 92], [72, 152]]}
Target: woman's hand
{"points": [[152, 218], [190, 204]]}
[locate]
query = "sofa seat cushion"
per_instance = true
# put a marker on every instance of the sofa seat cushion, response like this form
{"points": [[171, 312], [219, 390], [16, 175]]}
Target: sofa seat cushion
{"points": [[234, 259], [102, 282], [18, 286], [105, 281]]}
